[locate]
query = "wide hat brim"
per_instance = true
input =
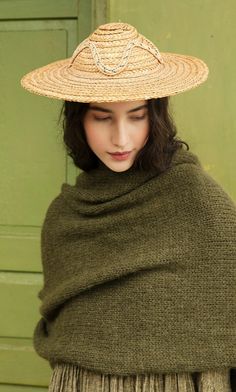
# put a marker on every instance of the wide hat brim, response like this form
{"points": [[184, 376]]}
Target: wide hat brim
{"points": [[63, 80]]}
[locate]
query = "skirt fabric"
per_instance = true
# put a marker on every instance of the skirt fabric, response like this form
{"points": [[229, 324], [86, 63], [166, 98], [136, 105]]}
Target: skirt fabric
{"points": [[71, 378]]}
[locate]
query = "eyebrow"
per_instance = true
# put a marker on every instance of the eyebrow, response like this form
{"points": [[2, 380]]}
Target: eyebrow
{"points": [[100, 109]]}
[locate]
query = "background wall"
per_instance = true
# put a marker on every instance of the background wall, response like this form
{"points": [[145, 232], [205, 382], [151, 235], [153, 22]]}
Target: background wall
{"points": [[205, 116], [33, 161]]}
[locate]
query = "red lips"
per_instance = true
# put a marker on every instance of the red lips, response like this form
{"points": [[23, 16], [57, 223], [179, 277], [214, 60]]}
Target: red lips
{"points": [[119, 153]]}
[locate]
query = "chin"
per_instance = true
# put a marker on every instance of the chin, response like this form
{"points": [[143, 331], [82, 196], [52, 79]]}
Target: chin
{"points": [[121, 170], [119, 166]]}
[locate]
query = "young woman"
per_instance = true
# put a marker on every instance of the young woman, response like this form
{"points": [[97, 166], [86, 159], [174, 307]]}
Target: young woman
{"points": [[139, 254]]}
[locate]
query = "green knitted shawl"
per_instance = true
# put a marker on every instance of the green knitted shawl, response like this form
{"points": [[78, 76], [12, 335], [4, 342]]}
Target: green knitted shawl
{"points": [[139, 272]]}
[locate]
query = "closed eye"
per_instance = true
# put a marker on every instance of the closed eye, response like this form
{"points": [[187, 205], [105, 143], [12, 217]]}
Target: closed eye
{"points": [[101, 118], [135, 118], [138, 117]]}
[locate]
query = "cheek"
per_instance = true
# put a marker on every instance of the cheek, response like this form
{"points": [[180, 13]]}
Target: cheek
{"points": [[93, 136], [142, 136]]}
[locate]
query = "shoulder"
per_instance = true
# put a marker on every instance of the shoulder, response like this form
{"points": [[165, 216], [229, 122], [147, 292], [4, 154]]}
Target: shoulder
{"points": [[56, 217], [194, 196], [190, 175], [54, 206]]}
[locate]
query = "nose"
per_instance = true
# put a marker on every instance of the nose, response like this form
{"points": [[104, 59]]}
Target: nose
{"points": [[119, 134]]}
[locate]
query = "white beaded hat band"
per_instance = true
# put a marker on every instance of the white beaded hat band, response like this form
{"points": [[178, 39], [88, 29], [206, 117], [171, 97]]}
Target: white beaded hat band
{"points": [[116, 63]]}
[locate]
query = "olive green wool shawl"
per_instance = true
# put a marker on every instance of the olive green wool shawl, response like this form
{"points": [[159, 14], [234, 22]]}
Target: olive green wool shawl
{"points": [[139, 272]]}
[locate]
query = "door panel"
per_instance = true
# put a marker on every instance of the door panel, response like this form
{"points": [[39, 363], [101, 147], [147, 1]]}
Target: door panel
{"points": [[33, 167]]}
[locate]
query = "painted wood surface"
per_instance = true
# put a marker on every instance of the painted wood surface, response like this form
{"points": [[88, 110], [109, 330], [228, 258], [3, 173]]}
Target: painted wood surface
{"points": [[38, 9], [205, 116], [34, 165]]}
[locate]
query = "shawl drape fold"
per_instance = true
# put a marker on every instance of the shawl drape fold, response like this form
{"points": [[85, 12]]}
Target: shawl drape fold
{"points": [[139, 272]]}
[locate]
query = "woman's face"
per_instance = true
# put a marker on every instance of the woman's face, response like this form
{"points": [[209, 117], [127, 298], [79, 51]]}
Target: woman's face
{"points": [[112, 127]]}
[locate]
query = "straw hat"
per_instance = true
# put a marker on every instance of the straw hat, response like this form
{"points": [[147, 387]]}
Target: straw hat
{"points": [[116, 63]]}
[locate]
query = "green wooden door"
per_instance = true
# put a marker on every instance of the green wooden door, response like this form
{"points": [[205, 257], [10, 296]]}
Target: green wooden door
{"points": [[34, 165]]}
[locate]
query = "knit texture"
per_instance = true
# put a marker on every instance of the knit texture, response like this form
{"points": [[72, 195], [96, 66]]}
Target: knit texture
{"points": [[139, 272]]}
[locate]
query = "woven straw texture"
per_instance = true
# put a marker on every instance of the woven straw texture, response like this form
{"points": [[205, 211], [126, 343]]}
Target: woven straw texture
{"points": [[116, 63]]}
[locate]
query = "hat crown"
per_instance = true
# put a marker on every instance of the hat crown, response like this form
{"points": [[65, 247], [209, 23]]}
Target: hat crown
{"points": [[114, 48], [112, 32]]}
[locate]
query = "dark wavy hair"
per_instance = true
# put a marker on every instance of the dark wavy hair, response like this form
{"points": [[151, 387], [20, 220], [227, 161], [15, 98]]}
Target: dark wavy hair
{"points": [[157, 152]]}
